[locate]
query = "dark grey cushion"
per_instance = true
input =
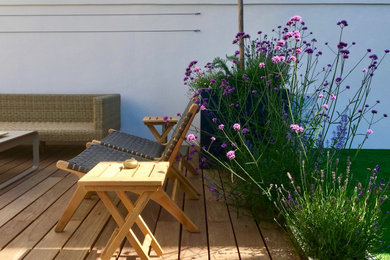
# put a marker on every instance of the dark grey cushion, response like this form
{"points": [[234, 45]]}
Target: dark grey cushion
{"points": [[94, 154], [133, 144]]}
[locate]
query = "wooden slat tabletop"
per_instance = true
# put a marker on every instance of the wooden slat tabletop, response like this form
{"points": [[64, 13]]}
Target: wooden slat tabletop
{"points": [[113, 174]]}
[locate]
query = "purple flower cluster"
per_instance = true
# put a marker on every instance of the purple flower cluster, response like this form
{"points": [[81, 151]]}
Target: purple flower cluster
{"points": [[342, 23], [227, 89], [293, 20], [296, 128], [239, 36]]}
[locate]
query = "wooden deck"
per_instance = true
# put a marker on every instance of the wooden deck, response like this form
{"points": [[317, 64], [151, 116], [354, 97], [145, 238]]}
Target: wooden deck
{"points": [[30, 208]]}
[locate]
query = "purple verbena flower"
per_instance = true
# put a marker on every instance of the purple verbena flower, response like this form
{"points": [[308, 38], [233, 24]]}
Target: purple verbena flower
{"points": [[191, 137], [342, 23], [231, 155], [245, 130]]}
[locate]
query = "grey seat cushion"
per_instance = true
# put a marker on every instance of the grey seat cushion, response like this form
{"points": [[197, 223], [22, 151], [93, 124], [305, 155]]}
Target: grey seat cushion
{"points": [[94, 154], [133, 144]]}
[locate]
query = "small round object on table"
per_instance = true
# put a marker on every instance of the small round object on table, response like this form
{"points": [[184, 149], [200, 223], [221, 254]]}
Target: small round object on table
{"points": [[130, 164]]}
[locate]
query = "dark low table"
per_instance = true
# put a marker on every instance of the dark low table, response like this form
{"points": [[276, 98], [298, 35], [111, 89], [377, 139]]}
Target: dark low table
{"points": [[15, 138]]}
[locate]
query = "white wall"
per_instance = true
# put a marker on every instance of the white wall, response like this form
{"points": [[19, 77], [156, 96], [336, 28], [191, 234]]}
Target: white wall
{"points": [[140, 48]]}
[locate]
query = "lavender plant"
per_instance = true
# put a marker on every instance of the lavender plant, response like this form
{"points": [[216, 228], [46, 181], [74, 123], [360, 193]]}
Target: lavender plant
{"points": [[334, 218]]}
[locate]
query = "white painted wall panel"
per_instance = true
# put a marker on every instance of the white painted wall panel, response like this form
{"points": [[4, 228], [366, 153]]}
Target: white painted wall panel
{"points": [[141, 48]]}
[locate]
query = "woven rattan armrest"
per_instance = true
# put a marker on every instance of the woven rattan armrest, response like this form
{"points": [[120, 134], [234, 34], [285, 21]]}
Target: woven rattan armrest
{"points": [[107, 112]]}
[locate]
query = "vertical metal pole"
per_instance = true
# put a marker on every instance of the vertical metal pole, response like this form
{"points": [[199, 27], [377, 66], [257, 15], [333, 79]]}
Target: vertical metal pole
{"points": [[241, 29]]}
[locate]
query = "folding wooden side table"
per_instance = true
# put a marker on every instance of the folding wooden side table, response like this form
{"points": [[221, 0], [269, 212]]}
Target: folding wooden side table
{"points": [[146, 179], [167, 125]]}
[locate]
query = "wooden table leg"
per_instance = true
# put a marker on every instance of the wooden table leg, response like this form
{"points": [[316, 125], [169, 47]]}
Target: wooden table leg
{"points": [[165, 201], [125, 225], [141, 223], [73, 205]]}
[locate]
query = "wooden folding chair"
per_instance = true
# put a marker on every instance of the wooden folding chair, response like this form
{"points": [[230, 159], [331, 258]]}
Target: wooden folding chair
{"points": [[105, 151]]}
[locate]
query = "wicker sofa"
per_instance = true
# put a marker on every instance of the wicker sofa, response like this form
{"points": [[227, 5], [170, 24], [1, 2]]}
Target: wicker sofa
{"points": [[61, 118]]}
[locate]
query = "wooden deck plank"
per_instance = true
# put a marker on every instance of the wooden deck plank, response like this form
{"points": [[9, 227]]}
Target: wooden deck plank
{"points": [[278, 242], [221, 236], [52, 242], [34, 210], [82, 240], [12, 209], [26, 240], [167, 230], [104, 237], [11, 155], [27, 182], [14, 167], [249, 240], [35, 214], [150, 216], [194, 245], [101, 243], [46, 168]]}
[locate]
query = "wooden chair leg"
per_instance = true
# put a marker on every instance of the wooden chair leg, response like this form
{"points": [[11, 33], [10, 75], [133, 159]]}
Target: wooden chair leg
{"points": [[175, 190], [73, 205], [185, 163], [185, 184], [165, 201]]}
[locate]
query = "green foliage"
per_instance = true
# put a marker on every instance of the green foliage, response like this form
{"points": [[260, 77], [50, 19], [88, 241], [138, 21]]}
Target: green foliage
{"points": [[334, 218], [256, 101], [282, 108]]}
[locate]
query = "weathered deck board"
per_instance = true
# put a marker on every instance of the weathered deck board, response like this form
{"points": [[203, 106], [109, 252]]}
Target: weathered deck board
{"points": [[98, 247], [248, 238], [13, 167], [150, 216], [277, 241], [11, 155], [167, 230], [30, 236], [82, 240], [53, 154], [30, 208], [12, 209], [34, 210], [51, 244], [221, 234], [194, 245], [46, 168]]}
